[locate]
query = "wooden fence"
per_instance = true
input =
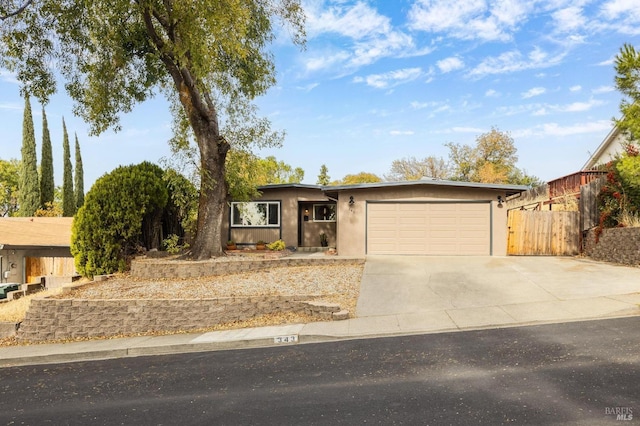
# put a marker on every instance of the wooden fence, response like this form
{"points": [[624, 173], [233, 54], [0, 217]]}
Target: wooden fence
{"points": [[549, 233], [589, 214], [42, 266]]}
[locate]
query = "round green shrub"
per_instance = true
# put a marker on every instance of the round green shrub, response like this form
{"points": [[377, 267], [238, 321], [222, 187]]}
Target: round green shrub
{"points": [[122, 213]]}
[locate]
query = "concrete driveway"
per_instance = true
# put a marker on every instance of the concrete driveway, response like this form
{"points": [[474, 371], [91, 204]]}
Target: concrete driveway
{"points": [[479, 291]]}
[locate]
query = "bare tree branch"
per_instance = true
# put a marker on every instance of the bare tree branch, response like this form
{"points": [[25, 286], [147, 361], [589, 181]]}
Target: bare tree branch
{"points": [[17, 11]]}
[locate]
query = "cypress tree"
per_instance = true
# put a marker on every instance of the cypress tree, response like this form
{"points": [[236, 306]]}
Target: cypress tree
{"points": [[79, 177], [47, 184], [29, 195], [68, 200]]}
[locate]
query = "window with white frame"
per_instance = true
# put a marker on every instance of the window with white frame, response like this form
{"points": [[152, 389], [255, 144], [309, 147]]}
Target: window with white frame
{"points": [[255, 214], [324, 212]]}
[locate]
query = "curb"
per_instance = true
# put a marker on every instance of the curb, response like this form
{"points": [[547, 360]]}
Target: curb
{"points": [[152, 346]]}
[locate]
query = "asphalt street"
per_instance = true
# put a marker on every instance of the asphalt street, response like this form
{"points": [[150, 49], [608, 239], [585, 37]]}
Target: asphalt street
{"points": [[574, 373]]}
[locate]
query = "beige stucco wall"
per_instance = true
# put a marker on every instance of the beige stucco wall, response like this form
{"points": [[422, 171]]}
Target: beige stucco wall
{"points": [[290, 216], [352, 219]]}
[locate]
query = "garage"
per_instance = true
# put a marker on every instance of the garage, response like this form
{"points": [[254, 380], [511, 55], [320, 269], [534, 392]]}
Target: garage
{"points": [[429, 228]]}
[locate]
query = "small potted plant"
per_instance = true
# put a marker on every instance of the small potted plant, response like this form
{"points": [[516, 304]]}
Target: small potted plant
{"points": [[261, 245], [231, 245]]}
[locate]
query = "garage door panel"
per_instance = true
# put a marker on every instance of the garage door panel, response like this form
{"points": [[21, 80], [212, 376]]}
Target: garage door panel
{"points": [[429, 228]]}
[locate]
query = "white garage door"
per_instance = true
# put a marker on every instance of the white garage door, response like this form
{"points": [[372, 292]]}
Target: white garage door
{"points": [[434, 228]]}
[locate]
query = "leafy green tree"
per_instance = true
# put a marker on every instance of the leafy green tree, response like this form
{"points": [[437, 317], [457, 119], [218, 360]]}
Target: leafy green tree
{"points": [[627, 66], [181, 211], [9, 183], [8, 9], [209, 57], [463, 160], [492, 160], [47, 183], [412, 168], [79, 178], [362, 177], [272, 171], [521, 177], [323, 177], [68, 200], [246, 172], [122, 212], [29, 195]]}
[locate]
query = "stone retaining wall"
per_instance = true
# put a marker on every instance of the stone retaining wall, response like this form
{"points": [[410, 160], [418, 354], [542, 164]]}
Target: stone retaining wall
{"points": [[49, 319], [616, 245], [165, 268], [7, 329]]}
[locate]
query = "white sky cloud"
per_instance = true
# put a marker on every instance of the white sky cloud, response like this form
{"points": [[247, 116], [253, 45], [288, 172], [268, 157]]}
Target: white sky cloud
{"points": [[368, 36], [575, 88], [323, 61], [9, 77], [419, 105], [622, 15], [580, 106], [390, 79], [491, 93], [469, 19], [450, 64], [401, 132], [12, 106], [309, 87], [554, 129], [603, 89], [568, 19], [535, 91], [513, 61], [356, 22], [607, 62]]}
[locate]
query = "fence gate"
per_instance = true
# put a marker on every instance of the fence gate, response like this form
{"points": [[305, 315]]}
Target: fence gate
{"points": [[543, 233]]}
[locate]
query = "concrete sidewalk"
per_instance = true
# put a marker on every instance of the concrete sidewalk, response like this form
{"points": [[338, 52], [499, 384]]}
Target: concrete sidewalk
{"points": [[427, 321], [409, 295]]}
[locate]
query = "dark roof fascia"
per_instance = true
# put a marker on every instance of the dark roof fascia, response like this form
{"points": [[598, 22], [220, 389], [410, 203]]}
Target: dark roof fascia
{"points": [[289, 185], [510, 189], [26, 247]]}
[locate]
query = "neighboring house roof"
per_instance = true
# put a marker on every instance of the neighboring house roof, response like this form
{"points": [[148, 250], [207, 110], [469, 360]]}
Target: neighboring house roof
{"points": [[608, 149], [18, 232]]}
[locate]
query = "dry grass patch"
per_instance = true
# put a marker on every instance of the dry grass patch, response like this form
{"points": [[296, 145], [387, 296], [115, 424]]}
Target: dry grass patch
{"points": [[15, 310], [629, 219], [335, 283]]}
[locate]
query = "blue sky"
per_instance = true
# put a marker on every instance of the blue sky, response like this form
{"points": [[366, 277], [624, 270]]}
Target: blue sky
{"points": [[383, 80]]}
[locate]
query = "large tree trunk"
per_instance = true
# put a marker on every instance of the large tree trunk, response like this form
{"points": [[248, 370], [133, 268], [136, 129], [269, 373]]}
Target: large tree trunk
{"points": [[213, 196], [203, 118]]}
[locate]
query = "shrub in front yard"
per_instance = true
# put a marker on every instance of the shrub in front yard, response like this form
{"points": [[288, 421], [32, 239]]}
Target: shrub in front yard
{"points": [[124, 212]]}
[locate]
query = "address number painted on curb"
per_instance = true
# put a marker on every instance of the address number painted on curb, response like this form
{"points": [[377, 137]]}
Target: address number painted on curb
{"points": [[286, 339]]}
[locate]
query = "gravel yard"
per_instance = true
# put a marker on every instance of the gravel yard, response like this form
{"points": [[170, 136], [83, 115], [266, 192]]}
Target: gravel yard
{"points": [[336, 283]]}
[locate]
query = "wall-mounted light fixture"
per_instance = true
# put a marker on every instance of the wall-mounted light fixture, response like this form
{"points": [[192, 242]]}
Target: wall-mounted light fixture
{"points": [[500, 200], [351, 201]]}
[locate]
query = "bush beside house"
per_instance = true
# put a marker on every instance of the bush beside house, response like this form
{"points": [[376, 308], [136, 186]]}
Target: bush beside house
{"points": [[125, 212]]}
